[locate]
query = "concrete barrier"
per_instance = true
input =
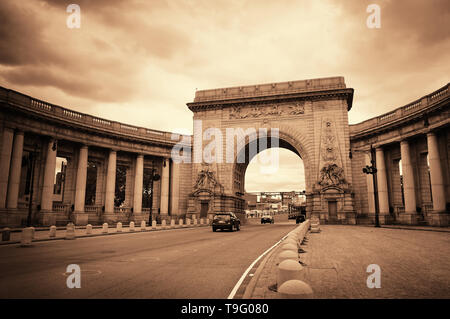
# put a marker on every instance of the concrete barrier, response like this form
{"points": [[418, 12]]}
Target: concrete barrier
{"points": [[289, 246], [188, 222], [6, 234], [119, 227], [295, 289], [202, 221], [52, 232], [131, 227], [289, 270], [163, 224], [88, 229], [105, 228], [180, 223], [154, 224], [70, 231], [291, 241], [27, 237], [195, 222], [172, 223], [287, 254], [143, 225]]}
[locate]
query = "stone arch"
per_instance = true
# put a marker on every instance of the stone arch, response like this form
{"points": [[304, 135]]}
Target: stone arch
{"points": [[289, 139]]}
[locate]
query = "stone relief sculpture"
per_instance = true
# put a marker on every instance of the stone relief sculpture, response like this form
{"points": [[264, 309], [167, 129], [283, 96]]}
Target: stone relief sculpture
{"points": [[206, 179], [238, 112], [331, 175]]}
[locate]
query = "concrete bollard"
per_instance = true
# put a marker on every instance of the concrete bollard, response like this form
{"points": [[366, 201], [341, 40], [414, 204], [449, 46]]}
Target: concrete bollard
{"points": [[88, 229], [289, 270], [195, 222], [295, 289], [27, 236], [70, 231], [291, 241], [163, 224], [154, 224], [143, 225], [105, 228], [287, 254], [52, 232], [33, 232], [172, 223], [188, 222], [6, 234], [180, 223], [131, 227], [119, 227], [289, 246]]}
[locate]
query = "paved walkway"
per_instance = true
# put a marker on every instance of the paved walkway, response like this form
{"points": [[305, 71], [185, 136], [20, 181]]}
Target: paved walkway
{"points": [[414, 263], [42, 234]]}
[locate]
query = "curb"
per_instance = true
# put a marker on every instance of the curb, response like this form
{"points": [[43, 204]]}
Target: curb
{"points": [[98, 235], [252, 284]]}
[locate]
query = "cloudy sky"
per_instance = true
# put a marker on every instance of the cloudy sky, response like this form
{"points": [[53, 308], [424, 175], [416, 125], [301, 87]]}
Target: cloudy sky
{"points": [[139, 61]]}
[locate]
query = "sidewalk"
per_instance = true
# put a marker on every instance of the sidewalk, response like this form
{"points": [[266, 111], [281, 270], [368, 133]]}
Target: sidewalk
{"points": [[413, 264], [42, 233]]}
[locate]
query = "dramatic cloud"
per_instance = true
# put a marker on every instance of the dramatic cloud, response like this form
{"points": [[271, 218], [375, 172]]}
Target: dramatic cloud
{"points": [[137, 61]]}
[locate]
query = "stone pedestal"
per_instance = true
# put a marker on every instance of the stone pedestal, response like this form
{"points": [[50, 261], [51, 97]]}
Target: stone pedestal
{"points": [[440, 219], [109, 218], [47, 218], [80, 218], [408, 219]]}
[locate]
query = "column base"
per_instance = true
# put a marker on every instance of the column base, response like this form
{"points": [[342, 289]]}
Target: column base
{"points": [[440, 219], [408, 218], [383, 219], [351, 218], [80, 218], [47, 218], [138, 217], [109, 218], [12, 217]]}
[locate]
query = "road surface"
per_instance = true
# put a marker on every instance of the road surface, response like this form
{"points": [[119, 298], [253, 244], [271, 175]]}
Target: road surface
{"points": [[180, 263]]}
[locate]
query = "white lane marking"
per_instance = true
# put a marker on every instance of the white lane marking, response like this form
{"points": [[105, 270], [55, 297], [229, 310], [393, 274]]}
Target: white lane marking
{"points": [[239, 283]]}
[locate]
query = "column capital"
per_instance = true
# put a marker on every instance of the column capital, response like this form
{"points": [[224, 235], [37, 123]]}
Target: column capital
{"points": [[379, 149], [431, 133]]}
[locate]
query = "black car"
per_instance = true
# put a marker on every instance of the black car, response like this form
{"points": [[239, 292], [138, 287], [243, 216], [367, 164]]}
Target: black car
{"points": [[226, 221], [267, 219], [300, 219]]}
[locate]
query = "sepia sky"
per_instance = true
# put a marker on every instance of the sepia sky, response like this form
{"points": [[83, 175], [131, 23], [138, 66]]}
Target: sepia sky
{"points": [[140, 62]]}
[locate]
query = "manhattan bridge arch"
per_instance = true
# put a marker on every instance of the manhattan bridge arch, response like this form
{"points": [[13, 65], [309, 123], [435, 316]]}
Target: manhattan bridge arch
{"points": [[308, 117]]}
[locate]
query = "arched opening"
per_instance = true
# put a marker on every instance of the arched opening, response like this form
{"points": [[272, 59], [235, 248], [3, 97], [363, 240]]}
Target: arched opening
{"points": [[271, 178]]}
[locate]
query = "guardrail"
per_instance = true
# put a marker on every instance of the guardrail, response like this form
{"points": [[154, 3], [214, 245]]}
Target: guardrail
{"points": [[403, 111], [25, 101]]}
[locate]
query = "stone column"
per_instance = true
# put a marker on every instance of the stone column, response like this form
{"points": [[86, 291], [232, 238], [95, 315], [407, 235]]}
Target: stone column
{"points": [[81, 218], [410, 214], [46, 216], [165, 187], [14, 171], [5, 160], [370, 189], [383, 197], [110, 186], [138, 184], [175, 188], [439, 217]]}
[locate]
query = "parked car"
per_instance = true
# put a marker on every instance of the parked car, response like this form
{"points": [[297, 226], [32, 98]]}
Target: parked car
{"points": [[267, 219], [300, 219], [226, 221]]}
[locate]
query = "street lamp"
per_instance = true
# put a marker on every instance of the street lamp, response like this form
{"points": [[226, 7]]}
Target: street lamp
{"points": [[373, 171], [154, 177]]}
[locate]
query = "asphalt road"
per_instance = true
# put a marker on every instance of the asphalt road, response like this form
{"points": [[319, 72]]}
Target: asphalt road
{"points": [[180, 263]]}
